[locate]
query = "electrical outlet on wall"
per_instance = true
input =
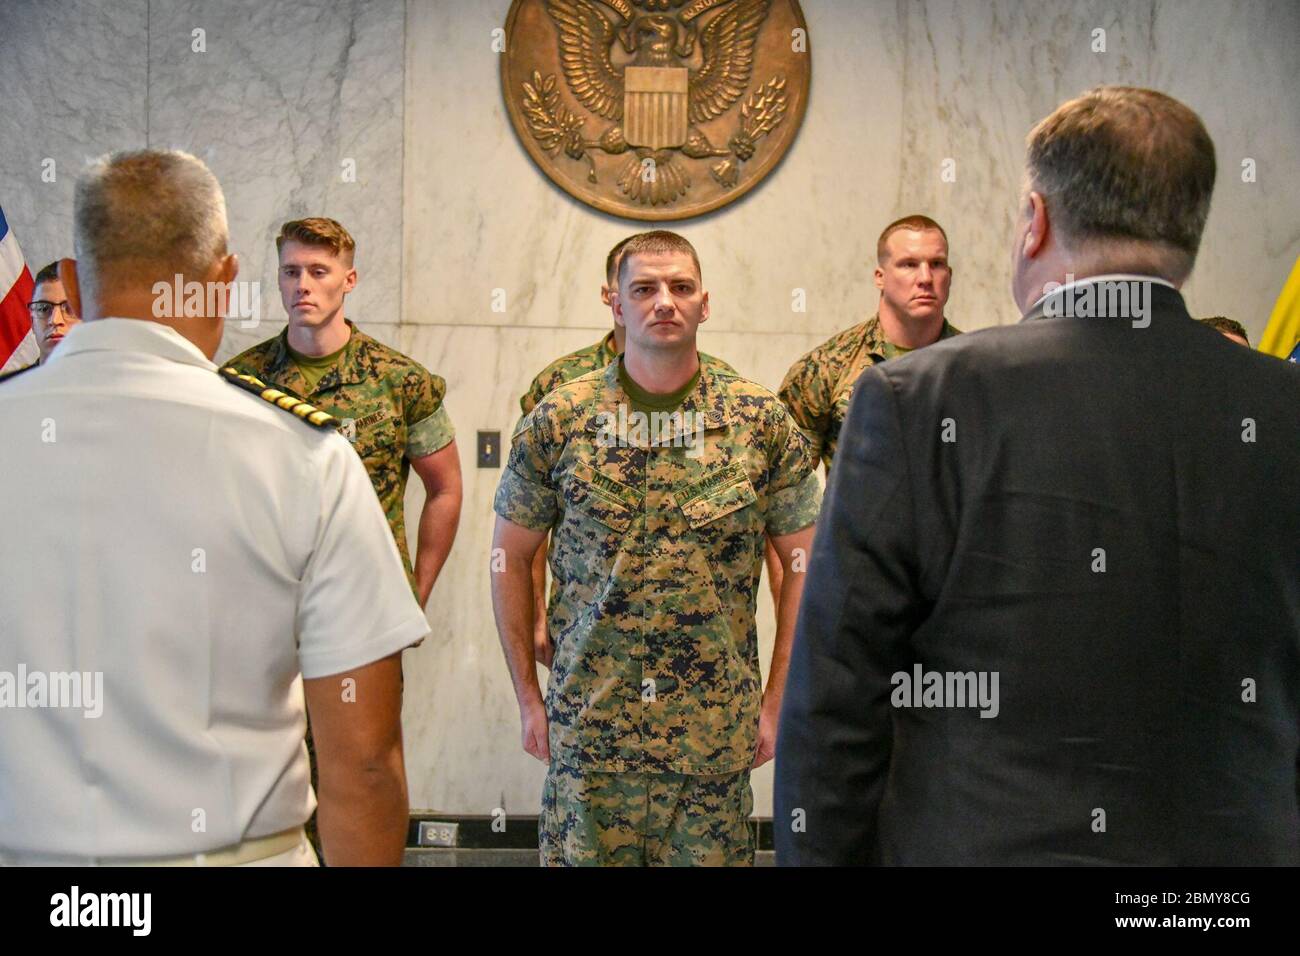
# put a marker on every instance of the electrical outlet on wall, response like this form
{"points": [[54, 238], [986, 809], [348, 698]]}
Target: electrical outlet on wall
{"points": [[437, 833]]}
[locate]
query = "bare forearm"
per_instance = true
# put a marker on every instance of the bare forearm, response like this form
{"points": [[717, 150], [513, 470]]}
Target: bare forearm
{"points": [[438, 522], [512, 604], [539, 586], [787, 615], [774, 575], [363, 814]]}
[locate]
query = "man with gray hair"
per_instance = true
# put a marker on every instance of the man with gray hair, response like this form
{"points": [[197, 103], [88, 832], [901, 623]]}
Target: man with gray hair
{"points": [[205, 562], [1076, 511]]}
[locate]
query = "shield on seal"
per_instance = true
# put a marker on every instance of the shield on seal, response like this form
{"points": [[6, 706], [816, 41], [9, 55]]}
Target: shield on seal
{"points": [[655, 104]]}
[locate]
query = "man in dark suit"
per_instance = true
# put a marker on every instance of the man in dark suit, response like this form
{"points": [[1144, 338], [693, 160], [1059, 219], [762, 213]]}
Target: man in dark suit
{"points": [[1052, 609]]}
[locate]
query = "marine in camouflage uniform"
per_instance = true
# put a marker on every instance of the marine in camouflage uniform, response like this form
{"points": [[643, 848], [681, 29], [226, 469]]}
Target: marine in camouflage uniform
{"points": [[565, 369], [392, 411], [818, 387], [390, 405], [656, 547]]}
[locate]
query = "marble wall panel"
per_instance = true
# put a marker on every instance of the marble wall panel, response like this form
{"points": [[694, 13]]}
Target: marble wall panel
{"points": [[74, 75], [297, 108]]}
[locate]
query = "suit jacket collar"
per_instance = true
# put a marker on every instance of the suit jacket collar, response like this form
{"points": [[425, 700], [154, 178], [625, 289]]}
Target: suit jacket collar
{"points": [[1062, 299]]}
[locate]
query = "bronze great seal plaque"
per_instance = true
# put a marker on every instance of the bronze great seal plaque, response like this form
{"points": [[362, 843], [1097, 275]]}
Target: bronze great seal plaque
{"points": [[656, 109]]}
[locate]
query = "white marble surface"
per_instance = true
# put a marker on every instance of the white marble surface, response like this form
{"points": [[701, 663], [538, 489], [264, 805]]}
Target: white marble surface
{"points": [[284, 95], [73, 74]]}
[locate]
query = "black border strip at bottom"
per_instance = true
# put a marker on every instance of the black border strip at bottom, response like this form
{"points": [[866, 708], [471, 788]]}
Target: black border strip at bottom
{"points": [[972, 905]]}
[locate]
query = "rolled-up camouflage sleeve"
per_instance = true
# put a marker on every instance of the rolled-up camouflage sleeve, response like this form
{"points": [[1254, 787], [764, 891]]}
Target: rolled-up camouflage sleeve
{"points": [[527, 494], [428, 426], [794, 494], [805, 393], [536, 392]]}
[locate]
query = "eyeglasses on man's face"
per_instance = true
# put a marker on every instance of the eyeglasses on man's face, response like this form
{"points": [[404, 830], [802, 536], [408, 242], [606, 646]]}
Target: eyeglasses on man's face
{"points": [[42, 309]]}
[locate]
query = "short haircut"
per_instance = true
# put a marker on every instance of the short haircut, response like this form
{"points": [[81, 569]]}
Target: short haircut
{"points": [[49, 274], [656, 242], [146, 215], [318, 231], [1122, 163], [613, 260], [915, 223], [1221, 323]]}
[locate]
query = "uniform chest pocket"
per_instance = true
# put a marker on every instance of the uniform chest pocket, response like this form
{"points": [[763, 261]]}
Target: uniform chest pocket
{"points": [[727, 496], [376, 440], [601, 498]]}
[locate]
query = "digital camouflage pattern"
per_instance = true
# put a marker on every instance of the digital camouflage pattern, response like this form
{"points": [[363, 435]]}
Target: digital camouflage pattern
{"points": [[818, 387], [568, 367], [645, 819], [390, 406], [656, 551]]}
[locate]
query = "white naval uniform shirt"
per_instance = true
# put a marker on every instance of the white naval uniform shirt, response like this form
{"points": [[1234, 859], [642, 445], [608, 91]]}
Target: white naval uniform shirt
{"points": [[204, 551]]}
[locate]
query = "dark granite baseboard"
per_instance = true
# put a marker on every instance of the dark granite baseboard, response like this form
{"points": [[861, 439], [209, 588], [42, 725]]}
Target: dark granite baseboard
{"points": [[520, 833]]}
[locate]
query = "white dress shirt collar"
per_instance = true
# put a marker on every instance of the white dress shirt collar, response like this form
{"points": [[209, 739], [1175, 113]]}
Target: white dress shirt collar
{"points": [[130, 335]]}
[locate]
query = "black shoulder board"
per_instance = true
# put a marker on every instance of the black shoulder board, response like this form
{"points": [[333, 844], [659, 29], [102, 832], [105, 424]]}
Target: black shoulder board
{"points": [[290, 403], [18, 371]]}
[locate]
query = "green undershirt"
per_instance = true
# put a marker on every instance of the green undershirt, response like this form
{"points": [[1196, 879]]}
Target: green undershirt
{"points": [[894, 351], [647, 402], [314, 367]]}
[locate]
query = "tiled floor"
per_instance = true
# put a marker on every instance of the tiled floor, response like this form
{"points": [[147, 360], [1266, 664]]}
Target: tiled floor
{"points": [[439, 857]]}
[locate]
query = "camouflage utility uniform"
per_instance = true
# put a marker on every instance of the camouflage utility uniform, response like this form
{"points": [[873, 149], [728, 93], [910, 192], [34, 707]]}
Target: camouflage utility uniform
{"points": [[390, 405], [391, 409], [656, 548], [818, 387], [568, 367]]}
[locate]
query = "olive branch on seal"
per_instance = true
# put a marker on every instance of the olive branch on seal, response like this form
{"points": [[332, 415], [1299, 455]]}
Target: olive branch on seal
{"points": [[761, 113], [552, 123]]}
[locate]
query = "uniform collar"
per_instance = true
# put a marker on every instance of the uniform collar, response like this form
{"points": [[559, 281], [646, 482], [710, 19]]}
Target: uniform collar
{"points": [[130, 335], [708, 398], [608, 349], [355, 365], [874, 341], [873, 338]]}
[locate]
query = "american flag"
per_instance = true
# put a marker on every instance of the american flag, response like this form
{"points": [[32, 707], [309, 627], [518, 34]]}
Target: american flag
{"points": [[17, 343]]}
